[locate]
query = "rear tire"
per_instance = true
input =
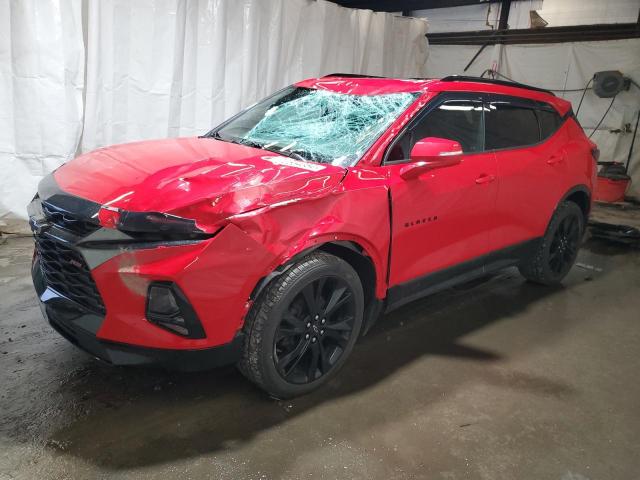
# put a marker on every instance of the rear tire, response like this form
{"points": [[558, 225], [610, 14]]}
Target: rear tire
{"points": [[558, 249], [303, 326]]}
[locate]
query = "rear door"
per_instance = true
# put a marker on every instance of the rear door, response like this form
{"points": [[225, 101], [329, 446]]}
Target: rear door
{"points": [[531, 165], [443, 217]]}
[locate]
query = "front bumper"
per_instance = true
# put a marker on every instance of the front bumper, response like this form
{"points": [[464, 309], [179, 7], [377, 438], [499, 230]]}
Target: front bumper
{"points": [[79, 326], [93, 285]]}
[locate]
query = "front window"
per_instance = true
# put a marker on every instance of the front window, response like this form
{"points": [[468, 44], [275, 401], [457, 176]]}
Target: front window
{"points": [[316, 125]]}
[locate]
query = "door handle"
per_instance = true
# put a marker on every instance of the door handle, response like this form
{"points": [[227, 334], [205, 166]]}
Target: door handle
{"points": [[555, 159], [485, 179]]}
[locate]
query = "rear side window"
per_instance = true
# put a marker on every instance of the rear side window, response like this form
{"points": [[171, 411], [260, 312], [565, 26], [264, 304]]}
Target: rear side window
{"points": [[510, 126], [459, 120], [549, 122]]}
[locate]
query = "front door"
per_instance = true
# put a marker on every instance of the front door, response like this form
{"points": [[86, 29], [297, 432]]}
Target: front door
{"points": [[443, 217]]}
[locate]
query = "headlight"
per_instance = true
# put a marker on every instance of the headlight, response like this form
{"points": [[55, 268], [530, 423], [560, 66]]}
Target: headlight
{"points": [[151, 225], [154, 222]]}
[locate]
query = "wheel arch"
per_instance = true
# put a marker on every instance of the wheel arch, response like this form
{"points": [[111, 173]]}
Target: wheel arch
{"points": [[580, 195], [358, 257]]}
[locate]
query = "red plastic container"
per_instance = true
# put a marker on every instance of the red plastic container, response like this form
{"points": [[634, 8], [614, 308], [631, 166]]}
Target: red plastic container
{"points": [[610, 190], [612, 182]]}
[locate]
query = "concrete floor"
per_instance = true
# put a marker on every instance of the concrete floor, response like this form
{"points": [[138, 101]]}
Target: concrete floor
{"points": [[494, 380]]}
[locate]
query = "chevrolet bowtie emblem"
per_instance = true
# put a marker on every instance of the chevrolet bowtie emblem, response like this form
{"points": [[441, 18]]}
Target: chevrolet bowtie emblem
{"points": [[40, 225]]}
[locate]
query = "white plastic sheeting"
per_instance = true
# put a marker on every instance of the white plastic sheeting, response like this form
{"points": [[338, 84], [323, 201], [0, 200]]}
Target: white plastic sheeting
{"points": [[176, 68], [162, 68], [564, 66], [41, 84]]}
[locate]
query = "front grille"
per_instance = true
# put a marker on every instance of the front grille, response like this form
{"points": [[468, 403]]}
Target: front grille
{"points": [[68, 221], [66, 272]]}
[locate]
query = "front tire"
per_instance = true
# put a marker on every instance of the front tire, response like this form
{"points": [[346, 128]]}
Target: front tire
{"points": [[558, 249], [303, 326]]}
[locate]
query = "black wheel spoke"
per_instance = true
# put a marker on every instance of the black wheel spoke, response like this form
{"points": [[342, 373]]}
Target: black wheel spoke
{"points": [[338, 298], [287, 363], [319, 290], [345, 324], [310, 299], [325, 364], [286, 333], [295, 322], [336, 337], [574, 232], [563, 226], [313, 364]]}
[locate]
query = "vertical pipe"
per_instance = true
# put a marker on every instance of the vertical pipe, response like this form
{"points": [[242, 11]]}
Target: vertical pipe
{"points": [[633, 140]]}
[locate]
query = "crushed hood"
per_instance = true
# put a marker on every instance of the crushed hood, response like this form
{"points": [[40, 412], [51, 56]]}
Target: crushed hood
{"points": [[198, 178]]}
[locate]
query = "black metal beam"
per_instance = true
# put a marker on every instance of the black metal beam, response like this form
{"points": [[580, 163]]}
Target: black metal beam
{"points": [[579, 33], [505, 8], [406, 5]]}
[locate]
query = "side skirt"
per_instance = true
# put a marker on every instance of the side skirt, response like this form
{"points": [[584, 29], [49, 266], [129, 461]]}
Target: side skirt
{"points": [[407, 292]]}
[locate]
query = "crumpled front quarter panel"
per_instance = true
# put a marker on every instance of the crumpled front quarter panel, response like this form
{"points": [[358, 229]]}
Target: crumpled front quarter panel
{"points": [[356, 211]]}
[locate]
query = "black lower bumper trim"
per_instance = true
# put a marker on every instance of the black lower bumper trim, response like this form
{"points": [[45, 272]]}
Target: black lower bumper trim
{"points": [[125, 354]]}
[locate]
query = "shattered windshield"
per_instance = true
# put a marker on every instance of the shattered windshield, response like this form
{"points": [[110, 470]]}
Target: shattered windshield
{"points": [[316, 125]]}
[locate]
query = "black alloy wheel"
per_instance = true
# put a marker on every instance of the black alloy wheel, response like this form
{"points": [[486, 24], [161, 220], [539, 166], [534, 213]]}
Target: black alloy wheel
{"points": [[554, 255], [564, 244], [303, 326], [315, 330]]}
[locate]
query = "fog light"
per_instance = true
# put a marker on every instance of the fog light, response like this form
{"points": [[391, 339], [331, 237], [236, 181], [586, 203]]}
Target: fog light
{"points": [[162, 301], [167, 307]]}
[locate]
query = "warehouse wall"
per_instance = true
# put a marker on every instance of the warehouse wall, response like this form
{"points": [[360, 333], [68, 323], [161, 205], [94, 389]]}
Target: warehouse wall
{"points": [[159, 68], [556, 12]]}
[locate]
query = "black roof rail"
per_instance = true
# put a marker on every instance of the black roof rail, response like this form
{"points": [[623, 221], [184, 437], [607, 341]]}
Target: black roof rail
{"points": [[351, 75], [464, 78]]}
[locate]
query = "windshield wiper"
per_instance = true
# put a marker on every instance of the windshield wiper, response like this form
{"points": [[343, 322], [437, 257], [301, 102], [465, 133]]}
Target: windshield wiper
{"points": [[237, 140], [251, 143], [289, 154]]}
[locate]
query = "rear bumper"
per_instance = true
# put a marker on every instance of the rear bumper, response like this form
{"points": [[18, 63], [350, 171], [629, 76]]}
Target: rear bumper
{"points": [[79, 326]]}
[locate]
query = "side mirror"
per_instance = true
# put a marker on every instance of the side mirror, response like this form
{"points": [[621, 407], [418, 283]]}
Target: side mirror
{"points": [[430, 153]]}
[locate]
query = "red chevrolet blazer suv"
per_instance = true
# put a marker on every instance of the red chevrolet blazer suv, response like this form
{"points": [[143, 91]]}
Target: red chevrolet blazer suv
{"points": [[278, 238]]}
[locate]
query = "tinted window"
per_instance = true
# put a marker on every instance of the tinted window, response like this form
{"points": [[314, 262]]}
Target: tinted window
{"points": [[458, 120], [549, 122], [509, 126]]}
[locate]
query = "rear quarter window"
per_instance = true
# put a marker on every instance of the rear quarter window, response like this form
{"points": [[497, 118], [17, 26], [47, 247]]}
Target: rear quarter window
{"points": [[549, 122], [510, 126]]}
